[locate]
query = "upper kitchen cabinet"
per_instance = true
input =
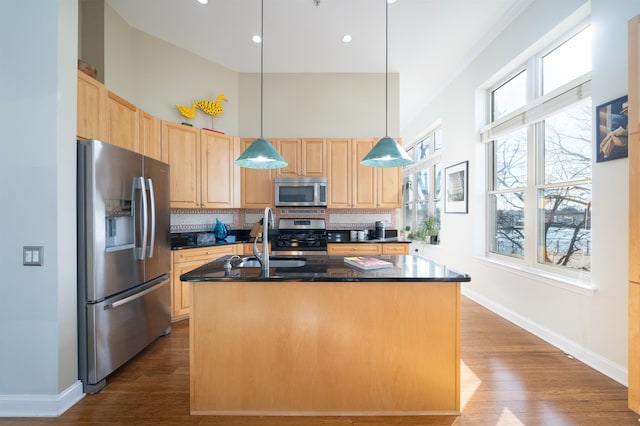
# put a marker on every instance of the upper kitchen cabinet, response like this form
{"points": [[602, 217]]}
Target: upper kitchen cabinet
{"points": [[352, 185], [149, 139], [257, 190], [183, 153], [92, 109], [365, 184], [339, 173], [123, 122], [220, 176], [306, 157]]}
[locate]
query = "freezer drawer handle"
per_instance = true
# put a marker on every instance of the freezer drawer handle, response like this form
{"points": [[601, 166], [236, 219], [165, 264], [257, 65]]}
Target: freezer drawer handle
{"points": [[131, 298]]}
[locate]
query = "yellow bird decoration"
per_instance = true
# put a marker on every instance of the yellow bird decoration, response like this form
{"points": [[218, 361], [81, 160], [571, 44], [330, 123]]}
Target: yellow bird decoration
{"points": [[210, 107], [186, 111]]}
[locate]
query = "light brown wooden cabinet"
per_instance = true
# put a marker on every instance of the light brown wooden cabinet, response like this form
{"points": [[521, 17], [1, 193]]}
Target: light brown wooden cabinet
{"points": [[219, 175], [202, 171], [92, 113], [187, 260], [257, 188], [123, 122], [352, 185], [634, 222], [183, 153], [306, 157], [368, 249], [149, 139]]}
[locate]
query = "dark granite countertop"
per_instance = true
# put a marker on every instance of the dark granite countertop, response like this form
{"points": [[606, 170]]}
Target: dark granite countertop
{"points": [[331, 268], [394, 240]]}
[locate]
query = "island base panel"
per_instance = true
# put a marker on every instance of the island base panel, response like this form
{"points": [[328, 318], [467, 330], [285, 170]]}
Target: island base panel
{"points": [[331, 348]]}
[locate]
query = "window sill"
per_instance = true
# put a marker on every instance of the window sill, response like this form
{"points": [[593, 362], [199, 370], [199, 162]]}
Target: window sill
{"points": [[555, 280]]}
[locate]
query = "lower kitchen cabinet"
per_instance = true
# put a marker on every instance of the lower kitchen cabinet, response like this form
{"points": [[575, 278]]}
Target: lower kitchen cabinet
{"points": [[368, 249], [187, 260]]}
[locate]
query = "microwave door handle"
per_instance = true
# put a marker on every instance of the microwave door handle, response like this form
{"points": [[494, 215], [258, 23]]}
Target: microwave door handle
{"points": [[152, 208], [140, 216]]}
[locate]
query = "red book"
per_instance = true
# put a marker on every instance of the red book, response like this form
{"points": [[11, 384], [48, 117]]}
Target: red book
{"points": [[367, 263]]}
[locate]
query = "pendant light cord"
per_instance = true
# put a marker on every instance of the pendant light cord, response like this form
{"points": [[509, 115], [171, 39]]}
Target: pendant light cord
{"points": [[261, 62], [386, 71]]}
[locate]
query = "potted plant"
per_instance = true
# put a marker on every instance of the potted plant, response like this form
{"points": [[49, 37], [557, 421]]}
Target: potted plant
{"points": [[405, 232], [427, 230]]}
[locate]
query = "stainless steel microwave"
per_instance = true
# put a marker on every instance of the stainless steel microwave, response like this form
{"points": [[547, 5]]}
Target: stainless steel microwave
{"points": [[301, 191]]}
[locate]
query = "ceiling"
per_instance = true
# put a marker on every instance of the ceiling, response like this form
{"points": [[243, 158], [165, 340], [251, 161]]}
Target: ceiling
{"points": [[429, 40]]}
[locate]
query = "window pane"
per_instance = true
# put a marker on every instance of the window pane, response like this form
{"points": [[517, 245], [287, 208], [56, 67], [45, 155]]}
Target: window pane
{"points": [[438, 172], [407, 189], [566, 62], [422, 149], [408, 215], [507, 227], [422, 211], [437, 140], [567, 144], [566, 231], [510, 96], [423, 178], [510, 160]]}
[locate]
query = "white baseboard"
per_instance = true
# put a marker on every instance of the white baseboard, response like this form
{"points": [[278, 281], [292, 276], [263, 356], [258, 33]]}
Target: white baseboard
{"points": [[605, 366], [40, 405]]}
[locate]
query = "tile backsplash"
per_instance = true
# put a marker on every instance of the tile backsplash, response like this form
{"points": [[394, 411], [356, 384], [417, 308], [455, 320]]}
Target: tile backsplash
{"points": [[195, 220]]}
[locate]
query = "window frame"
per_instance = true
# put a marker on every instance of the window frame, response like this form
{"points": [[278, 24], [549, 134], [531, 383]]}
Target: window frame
{"points": [[532, 116]]}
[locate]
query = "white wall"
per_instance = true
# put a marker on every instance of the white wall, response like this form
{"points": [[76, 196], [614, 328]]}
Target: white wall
{"points": [[156, 76], [590, 325], [38, 361]]}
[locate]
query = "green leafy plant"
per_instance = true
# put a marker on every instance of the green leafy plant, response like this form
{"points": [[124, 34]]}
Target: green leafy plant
{"points": [[427, 229]]}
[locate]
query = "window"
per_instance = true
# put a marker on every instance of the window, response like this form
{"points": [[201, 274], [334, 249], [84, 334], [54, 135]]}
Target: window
{"points": [[539, 162], [422, 181]]}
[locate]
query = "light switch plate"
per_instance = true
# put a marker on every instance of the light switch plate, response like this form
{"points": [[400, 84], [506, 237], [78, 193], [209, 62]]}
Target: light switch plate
{"points": [[33, 255]]}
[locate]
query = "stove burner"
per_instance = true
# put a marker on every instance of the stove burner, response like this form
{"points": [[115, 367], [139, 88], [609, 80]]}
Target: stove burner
{"points": [[301, 235]]}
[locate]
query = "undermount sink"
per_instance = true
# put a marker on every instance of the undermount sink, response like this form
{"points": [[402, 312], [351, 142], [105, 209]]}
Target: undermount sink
{"points": [[274, 262]]}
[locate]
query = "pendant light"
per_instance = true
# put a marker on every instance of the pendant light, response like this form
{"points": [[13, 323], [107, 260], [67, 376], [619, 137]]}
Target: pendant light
{"points": [[261, 154], [387, 152]]}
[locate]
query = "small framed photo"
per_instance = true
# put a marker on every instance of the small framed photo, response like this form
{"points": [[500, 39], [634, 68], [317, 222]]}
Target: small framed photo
{"points": [[456, 188], [611, 133]]}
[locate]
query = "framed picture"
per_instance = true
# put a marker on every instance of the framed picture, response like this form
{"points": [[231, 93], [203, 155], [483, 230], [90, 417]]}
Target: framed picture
{"points": [[611, 134], [456, 188]]}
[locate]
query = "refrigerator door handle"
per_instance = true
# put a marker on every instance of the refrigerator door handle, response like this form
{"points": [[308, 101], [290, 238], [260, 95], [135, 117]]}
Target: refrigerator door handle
{"points": [[140, 216], [133, 297], [152, 199]]}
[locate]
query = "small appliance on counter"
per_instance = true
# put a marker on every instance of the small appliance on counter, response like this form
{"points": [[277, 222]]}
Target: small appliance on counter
{"points": [[379, 234], [220, 231]]}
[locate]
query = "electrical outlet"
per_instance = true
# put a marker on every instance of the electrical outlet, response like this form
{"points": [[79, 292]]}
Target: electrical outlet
{"points": [[32, 255]]}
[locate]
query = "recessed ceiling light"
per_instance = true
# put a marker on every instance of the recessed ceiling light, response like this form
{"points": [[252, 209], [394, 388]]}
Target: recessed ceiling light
{"points": [[346, 38], [391, 1], [203, 1], [256, 39]]}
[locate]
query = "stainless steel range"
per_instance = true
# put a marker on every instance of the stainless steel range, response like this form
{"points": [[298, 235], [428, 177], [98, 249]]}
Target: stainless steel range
{"points": [[300, 237]]}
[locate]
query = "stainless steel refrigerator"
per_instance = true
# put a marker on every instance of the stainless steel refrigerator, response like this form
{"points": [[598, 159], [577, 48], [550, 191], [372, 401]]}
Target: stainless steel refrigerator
{"points": [[124, 258]]}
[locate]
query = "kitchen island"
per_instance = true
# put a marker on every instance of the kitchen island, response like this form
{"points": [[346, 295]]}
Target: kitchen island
{"points": [[325, 338]]}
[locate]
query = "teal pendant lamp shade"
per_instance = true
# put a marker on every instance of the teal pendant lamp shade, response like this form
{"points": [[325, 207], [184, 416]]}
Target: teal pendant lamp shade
{"points": [[261, 154], [387, 152]]}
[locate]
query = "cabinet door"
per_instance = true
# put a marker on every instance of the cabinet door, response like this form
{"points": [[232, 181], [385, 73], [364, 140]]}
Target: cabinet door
{"points": [[123, 122], [339, 173], [358, 249], [183, 149], [219, 174], [389, 187], [92, 109], [313, 159], [149, 141], [364, 177], [400, 248], [290, 151], [257, 184], [180, 289]]}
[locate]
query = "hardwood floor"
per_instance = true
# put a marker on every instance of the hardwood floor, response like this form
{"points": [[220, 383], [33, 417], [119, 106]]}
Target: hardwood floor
{"points": [[509, 377]]}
